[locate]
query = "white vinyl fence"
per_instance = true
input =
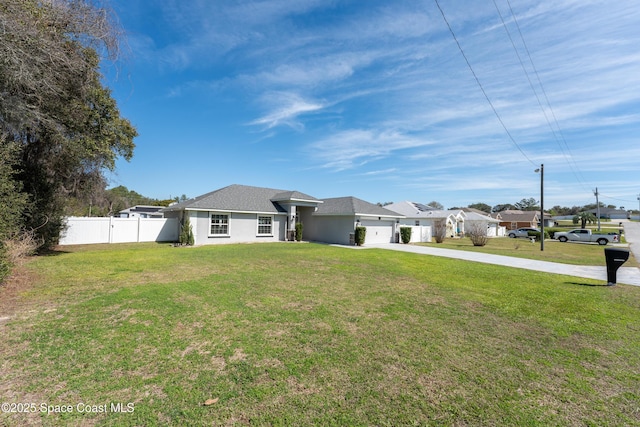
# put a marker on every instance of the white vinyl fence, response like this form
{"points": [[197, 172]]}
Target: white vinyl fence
{"points": [[419, 233], [86, 230]]}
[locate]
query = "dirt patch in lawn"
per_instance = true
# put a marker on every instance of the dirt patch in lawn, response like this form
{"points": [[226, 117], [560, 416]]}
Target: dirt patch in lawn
{"points": [[21, 280]]}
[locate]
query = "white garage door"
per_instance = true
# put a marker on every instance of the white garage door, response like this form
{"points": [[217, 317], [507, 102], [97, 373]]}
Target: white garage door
{"points": [[378, 231]]}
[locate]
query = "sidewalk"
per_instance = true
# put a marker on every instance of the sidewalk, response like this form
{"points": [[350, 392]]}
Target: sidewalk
{"points": [[625, 275]]}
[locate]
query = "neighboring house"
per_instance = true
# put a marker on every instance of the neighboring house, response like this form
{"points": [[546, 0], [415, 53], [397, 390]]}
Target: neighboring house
{"points": [[336, 219], [514, 219], [478, 211], [240, 214], [142, 211], [548, 221], [609, 213], [420, 215], [475, 219]]}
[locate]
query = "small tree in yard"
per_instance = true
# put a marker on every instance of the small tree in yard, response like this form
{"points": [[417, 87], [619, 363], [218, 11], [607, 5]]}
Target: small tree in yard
{"points": [[440, 231], [405, 234], [477, 232], [186, 233], [361, 234], [299, 228], [584, 218]]}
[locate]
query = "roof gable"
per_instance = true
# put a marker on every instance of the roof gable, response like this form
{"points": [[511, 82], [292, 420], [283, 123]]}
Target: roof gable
{"points": [[526, 216], [420, 211], [475, 216], [353, 206], [293, 196]]}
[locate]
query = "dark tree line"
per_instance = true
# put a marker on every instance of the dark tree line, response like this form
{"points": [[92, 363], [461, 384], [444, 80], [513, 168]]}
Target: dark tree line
{"points": [[103, 202], [532, 205], [59, 126]]}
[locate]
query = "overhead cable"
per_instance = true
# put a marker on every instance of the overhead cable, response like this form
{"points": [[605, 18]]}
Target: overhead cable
{"points": [[481, 87]]}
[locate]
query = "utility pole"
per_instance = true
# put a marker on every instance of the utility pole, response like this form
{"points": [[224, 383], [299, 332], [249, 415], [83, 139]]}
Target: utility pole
{"points": [[542, 207], [597, 207], [541, 170]]}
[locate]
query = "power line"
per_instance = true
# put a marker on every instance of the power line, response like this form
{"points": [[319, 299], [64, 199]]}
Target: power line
{"points": [[573, 166], [580, 179], [619, 200], [481, 87]]}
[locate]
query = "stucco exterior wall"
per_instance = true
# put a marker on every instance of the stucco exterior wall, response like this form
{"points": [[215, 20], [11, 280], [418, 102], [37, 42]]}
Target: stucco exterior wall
{"points": [[243, 228], [327, 229]]}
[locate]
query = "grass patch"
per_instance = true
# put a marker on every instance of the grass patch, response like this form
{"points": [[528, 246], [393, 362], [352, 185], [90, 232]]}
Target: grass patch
{"points": [[554, 251], [305, 334]]}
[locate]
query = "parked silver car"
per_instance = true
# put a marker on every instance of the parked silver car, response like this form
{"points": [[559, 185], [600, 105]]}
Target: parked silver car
{"points": [[521, 232]]}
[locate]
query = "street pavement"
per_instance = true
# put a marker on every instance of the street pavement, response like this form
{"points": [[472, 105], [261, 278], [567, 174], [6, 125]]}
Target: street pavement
{"points": [[632, 235], [625, 275]]}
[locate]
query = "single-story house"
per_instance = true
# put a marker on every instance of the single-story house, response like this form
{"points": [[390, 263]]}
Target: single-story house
{"points": [[240, 214], [475, 219], [142, 211], [609, 213], [420, 216], [514, 219], [336, 218]]}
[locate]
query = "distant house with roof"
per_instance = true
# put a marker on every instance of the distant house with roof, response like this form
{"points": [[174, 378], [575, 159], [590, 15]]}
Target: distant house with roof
{"points": [[420, 216], [610, 213], [483, 220], [142, 211], [514, 219], [241, 214]]}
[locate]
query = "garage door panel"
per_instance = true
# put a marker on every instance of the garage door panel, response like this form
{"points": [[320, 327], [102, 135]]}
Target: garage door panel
{"points": [[378, 231]]}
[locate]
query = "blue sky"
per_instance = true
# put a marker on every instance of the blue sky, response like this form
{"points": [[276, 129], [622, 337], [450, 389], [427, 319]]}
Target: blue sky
{"points": [[374, 99]]}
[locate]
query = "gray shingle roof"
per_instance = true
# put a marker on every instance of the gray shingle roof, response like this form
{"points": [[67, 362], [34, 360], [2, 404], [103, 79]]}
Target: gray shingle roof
{"points": [[526, 216], [416, 210], [293, 195], [241, 198], [352, 206], [475, 216]]}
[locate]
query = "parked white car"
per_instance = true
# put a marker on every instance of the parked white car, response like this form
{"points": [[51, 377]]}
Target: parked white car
{"points": [[521, 232]]}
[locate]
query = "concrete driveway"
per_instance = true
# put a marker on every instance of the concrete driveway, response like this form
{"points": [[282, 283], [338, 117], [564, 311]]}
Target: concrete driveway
{"points": [[632, 235], [625, 275]]}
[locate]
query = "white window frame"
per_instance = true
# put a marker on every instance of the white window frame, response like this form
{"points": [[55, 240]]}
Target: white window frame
{"points": [[270, 233], [228, 224]]}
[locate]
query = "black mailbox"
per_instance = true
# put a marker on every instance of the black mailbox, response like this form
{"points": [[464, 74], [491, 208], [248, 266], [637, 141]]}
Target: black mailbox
{"points": [[615, 258]]}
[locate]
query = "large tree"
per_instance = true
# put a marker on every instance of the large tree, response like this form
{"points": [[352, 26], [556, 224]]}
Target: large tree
{"points": [[529, 204], [481, 207], [53, 106], [502, 207]]}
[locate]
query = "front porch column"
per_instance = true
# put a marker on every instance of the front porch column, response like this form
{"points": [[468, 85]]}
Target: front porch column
{"points": [[291, 223]]}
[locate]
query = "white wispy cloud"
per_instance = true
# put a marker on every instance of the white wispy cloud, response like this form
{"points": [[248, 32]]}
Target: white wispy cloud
{"points": [[285, 110], [348, 148]]}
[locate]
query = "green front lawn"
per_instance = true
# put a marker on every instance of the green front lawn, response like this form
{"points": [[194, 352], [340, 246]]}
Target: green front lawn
{"points": [[554, 251], [306, 334]]}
